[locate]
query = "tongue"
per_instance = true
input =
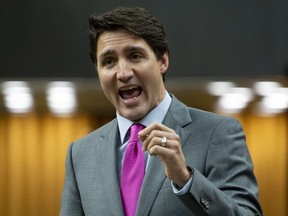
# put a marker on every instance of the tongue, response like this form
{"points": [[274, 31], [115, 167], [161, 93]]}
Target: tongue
{"points": [[129, 94]]}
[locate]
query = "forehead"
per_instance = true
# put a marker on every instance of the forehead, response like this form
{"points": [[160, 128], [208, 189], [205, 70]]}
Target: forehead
{"points": [[118, 39]]}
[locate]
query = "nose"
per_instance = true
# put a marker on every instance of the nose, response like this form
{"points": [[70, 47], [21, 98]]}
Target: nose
{"points": [[124, 71]]}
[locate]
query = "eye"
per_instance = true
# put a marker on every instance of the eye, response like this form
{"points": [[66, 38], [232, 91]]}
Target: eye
{"points": [[135, 56], [108, 62]]}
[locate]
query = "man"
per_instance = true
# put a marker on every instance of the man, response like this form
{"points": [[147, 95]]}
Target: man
{"points": [[196, 163]]}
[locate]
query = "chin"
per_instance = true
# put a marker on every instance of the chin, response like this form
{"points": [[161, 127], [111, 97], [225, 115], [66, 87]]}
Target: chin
{"points": [[134, 118], [133, 115]]}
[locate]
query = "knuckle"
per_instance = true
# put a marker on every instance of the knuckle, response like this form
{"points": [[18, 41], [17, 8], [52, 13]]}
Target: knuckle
{"points": [[154, 139], [153, 150], [153, 133], [172, 131], [177, 137]]}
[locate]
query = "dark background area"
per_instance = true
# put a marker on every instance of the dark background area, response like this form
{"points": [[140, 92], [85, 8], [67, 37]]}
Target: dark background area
{"points": [[208, 38]]}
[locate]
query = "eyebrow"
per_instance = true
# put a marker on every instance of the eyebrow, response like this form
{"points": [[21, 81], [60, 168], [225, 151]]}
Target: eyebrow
{"points": [[135, 48], [126, 50], [106, 53]]}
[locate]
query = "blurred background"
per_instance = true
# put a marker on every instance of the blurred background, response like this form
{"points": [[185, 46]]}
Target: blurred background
{"points": [[228, 57]]}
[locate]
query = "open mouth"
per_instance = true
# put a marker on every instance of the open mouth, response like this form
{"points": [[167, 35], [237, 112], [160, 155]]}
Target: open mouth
{"points": [[130, 92]]}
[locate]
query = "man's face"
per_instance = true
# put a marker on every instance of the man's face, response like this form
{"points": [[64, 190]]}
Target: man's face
{"points": [[129, 73]]}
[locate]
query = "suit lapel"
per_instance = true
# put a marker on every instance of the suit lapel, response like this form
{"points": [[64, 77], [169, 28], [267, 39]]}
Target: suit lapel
{"points": [[107, 151], [152, 183], [155, 175]]}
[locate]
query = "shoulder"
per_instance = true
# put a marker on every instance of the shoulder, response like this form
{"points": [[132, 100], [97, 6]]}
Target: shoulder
{"points": [[198, 116], [208, 120], [97, 135], [202, 115]]}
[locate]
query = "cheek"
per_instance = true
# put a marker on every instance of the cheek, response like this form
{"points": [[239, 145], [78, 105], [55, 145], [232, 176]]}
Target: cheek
{"points": [[154, 78], [106, 80], [108, 86], [102, 81]]}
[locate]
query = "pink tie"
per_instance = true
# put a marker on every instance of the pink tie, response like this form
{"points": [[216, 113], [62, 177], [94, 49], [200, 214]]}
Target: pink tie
{"points": [[133, 171]]}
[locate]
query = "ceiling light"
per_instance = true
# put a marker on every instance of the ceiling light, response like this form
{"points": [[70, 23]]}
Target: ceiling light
{"points": [[219, 88], [235, 101], [273, 103], [264, 88], [61, 98], [17, 96]]}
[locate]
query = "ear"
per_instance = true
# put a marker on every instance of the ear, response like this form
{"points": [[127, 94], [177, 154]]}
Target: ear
{"points": [[164, 63]]}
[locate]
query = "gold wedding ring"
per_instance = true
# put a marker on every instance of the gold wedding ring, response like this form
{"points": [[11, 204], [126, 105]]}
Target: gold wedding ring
{"points": [[163, 141]]}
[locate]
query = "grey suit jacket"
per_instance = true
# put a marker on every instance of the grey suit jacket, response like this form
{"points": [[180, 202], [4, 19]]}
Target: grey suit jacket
{"points": [[223, 181]]}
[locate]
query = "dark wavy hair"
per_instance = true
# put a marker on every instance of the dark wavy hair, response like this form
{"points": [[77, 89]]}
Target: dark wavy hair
{"points": [[136, 20]]}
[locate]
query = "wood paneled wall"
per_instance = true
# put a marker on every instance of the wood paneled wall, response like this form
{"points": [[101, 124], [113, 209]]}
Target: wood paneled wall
{"points": [[267, 138], [33, 150], [32, 155]]}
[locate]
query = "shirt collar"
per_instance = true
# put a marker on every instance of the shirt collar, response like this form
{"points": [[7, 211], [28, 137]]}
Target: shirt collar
{"points": [[155, 115]]}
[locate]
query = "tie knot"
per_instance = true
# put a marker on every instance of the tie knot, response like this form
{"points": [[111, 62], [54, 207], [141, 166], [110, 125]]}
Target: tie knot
{"points": [[134, 130]]}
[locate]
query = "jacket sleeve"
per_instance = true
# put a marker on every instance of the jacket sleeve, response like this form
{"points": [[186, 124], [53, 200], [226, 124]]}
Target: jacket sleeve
{"points": [[71, 200], [227, 186]]}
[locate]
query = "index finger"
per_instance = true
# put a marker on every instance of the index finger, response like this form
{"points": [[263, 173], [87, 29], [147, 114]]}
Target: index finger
{"points": [[154, 126]]}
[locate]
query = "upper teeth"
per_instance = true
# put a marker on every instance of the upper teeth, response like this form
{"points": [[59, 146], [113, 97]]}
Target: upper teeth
{"points": [[128, 87]]}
